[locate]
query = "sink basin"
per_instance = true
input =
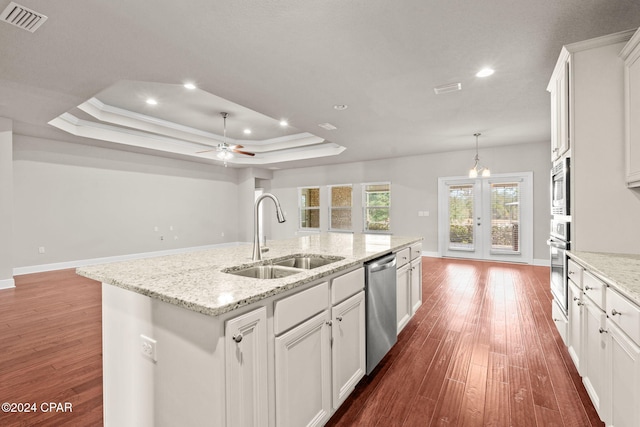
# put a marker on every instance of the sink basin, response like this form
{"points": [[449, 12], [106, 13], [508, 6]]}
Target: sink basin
{"points": [[265, 272], [307, 262]]}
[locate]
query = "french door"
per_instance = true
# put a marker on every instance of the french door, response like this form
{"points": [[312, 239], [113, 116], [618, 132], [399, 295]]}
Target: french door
{"points": [[486, 218]]}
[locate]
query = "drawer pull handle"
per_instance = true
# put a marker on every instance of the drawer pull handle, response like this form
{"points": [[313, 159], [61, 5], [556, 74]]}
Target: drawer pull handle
{"points": [[579, 303], [572, 272], [556, 320], [237, 338], [603, 331], [615, 312], [339, 318], [576, 298], [329, 322]]}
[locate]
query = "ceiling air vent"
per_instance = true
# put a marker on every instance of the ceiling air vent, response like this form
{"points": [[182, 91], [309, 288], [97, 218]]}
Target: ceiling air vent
{"points": [[327, 126], [451, 87], [22, 17]]}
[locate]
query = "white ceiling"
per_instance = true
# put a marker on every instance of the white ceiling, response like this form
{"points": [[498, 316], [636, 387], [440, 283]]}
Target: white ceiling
{"points": [[297, 59]]}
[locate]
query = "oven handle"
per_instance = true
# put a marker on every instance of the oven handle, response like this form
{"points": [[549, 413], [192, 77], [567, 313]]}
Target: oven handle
{"points": [[556, 244]]}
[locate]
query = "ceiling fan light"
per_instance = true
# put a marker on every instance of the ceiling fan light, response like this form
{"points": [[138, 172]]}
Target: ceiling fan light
{"points": [[486, 173], [225, 155], [473, 173]]}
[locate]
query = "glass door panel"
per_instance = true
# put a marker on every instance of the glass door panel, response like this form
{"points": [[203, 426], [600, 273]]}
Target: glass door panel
{"points": [[505, 217], [461, 212]]}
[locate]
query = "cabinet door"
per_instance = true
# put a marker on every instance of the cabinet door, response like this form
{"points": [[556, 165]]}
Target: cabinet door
{"points": [[303, 373], [416, 285], [349, 346], [624, 379], [403, 296], [246, 369], [594, 354], [574, 338]]}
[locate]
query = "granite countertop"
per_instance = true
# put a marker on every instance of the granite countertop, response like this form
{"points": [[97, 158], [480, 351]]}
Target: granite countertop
{"points": [[621, 271], [196, 282]]}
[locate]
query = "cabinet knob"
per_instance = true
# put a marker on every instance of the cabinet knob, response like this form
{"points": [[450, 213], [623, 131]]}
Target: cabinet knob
{"points": [[603, 331], [579, 303], [587, 288], [615, 312], [576, 298], [339, 318], [572, 272], [237, 337], [556, 320], [329, 322]]}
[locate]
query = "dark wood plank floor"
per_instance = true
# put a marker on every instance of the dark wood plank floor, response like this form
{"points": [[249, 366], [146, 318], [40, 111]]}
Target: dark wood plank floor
{"points": [[482, 350]]}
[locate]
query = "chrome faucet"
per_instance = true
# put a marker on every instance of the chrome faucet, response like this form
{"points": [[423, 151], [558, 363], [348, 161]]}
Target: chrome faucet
{"points": [[257, 251]]}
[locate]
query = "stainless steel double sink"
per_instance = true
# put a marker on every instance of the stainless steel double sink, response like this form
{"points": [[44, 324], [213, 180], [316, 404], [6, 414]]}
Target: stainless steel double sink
{"points": [[283, 267]]}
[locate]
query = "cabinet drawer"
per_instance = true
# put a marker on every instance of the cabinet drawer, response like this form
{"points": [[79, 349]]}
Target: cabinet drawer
{"points": [[342, 287], [416, 250], [624, 313], [403, 257], [299, 307], [594, 288], [574, 272]]}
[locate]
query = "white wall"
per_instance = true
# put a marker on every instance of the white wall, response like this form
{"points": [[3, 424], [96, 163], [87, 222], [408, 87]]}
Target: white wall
{"points": [[605, 212], [6, 203], [414, 183], [81, 202]]}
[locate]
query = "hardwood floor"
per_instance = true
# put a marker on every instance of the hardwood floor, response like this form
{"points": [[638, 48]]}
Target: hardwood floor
{"points": [[51, 349], [482, 350]]}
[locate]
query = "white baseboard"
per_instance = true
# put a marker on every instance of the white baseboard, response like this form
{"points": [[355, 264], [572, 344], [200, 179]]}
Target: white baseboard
{"points": [[106, 260], [7, 283], [536, 261]]}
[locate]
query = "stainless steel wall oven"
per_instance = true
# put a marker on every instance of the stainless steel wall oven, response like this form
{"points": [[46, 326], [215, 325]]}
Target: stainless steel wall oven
{"points": [[560, 193], [558, 246]]}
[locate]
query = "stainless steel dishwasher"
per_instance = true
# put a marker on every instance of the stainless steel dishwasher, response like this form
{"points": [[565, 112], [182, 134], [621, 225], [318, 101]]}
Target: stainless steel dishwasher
{"points": [[382, 324]]}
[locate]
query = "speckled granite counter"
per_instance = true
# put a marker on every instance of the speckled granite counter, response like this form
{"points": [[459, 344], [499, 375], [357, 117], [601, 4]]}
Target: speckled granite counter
{"points": [[195, 280], [621, 271]]}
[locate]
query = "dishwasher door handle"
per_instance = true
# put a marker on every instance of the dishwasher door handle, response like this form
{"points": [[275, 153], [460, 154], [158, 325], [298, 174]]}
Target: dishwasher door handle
{"points": [[383, 264]]}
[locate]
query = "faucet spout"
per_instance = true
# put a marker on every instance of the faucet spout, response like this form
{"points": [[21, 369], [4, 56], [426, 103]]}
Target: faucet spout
{"points": [[257, 251]]}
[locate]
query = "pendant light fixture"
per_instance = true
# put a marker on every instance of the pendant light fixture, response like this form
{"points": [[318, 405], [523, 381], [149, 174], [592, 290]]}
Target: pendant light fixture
{"points": [[476, 169]]}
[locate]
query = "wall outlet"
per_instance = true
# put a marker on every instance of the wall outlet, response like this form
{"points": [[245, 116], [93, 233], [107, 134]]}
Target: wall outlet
{"points": [[41, 250], [222, 234], [148, 347]]}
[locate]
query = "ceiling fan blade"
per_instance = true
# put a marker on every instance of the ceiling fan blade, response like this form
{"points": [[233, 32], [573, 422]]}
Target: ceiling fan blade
{"points": [[246, 153], [205, 151], [233, 147]]}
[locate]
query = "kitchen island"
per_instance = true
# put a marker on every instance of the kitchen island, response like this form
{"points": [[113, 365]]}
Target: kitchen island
{"points": [[187, 343]]}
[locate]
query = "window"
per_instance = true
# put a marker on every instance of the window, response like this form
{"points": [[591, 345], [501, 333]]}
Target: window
{"points": [[505, 217], [377, 205], [309, 202], [340, 207]]}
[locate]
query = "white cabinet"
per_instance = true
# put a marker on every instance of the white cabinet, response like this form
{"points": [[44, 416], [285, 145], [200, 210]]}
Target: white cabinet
{"points": [[574, 332], [320, 349], [303, 373], [624, 378], [561, 106], [631, 56], [349, 348], [623, 362], [403, 296], [246, 369], [408, 283], [593, 358]]}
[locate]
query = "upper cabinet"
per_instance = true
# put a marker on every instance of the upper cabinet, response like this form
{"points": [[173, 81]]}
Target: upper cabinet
{"points": [[631, 56], [561, 106]]}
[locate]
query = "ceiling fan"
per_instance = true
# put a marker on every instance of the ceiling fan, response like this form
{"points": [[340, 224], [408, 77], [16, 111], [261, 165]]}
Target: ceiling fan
{"points": [[225, 151]]}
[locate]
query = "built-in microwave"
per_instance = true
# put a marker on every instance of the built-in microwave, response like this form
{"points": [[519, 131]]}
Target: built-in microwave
{"points": [[560, 188]]}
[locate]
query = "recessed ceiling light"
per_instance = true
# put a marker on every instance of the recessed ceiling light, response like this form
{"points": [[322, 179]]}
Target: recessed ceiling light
{"points": [[189, 86], [485, 72], [152, 101], [340, 107], [284, 123], [247, 131]]}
